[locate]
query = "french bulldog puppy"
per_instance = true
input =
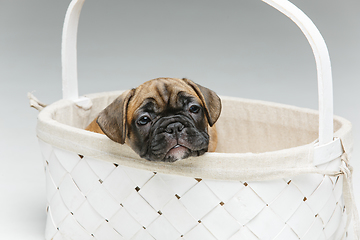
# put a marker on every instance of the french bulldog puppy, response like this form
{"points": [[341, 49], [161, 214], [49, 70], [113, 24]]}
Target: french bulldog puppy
{"points": [[164, 119]]}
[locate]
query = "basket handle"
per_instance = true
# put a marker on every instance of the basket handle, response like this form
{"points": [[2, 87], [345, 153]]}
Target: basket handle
{"points": [[325, 94]]}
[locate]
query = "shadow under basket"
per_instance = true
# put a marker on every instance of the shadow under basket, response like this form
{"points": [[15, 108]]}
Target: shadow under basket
{"points": [[261, 184]]}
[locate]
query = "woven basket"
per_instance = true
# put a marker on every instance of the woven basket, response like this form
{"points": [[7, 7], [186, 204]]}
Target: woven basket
{"points": [[282, 173]]}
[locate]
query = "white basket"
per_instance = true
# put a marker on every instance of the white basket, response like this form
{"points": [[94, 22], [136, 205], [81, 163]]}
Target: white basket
{"points": [[276, 182]]}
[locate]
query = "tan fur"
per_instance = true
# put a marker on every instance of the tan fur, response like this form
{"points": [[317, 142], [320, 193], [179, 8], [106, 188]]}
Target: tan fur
{"points": [[153, 89], [94, 127]]}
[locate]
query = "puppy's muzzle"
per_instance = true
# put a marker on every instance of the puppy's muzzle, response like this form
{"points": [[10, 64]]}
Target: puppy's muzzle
{"points": [[174, 128], [174, 138]]}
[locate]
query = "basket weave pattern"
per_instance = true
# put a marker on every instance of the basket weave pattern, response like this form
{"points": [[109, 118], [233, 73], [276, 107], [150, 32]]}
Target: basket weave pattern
{"points": [[93, 199]]}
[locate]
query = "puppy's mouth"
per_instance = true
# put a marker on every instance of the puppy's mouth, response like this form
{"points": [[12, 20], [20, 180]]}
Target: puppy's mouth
{"points": [[176, 153], [174, 138]]}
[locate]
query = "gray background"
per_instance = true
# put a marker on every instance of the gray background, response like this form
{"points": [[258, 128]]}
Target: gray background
{"points": [[237, 48]]}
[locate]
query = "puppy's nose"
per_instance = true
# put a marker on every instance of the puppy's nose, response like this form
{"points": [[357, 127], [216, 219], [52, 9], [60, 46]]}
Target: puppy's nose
{"points": [[174, 128]]}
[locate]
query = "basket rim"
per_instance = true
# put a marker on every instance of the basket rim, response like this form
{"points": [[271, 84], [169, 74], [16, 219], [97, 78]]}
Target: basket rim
{"points": [[225, 166]]}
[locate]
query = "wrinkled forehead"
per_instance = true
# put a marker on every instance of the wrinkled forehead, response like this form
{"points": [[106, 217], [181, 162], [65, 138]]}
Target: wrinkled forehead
{"points": [[162, 94]]}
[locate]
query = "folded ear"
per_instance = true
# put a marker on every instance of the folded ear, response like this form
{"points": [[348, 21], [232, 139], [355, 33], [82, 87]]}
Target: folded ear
{"points": [[112, 120], [210, 100]]}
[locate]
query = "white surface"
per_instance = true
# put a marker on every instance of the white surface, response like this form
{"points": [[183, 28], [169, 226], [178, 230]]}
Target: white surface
{"points": [[220, 45], [323, 65], [84, 205], [69, 52]]}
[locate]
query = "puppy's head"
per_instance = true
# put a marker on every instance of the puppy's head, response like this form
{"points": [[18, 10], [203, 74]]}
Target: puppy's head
{"points": [[164, 119]]}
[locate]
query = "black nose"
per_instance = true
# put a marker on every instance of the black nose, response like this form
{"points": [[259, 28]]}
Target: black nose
{"points": [[174, 128]]}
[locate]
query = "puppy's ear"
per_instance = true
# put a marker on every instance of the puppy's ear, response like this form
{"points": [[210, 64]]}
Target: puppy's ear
{"points": [[112, 120], [210, 100]]}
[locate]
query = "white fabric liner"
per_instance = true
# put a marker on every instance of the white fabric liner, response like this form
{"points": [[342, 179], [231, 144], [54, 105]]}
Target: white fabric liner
{"points": [[257, 140]]}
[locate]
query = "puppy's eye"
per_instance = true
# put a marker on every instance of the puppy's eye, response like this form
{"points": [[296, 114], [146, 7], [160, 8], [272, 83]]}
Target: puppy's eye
{"points": [[194, 109], [143, 120]]}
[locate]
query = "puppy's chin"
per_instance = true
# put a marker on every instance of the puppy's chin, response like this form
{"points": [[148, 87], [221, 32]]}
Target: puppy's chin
{"points": [[178, 152], [173, 154]]}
